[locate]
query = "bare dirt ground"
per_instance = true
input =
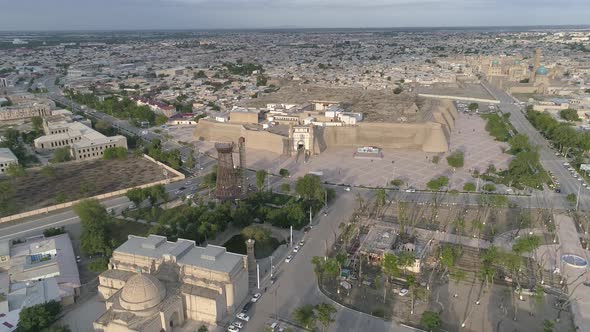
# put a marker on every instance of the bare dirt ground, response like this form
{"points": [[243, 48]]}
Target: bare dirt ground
{"points": [[75, 180], [376, 105]]}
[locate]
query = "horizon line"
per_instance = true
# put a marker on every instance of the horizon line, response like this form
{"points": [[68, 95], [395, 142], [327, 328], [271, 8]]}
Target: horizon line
{"points": [[287, 27]]}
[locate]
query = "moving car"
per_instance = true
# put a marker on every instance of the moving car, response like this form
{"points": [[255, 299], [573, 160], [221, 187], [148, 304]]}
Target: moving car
{"points": [[296, 249], [288, 259], [301, 243], [347, 189], [243, 316], [256, 297]]}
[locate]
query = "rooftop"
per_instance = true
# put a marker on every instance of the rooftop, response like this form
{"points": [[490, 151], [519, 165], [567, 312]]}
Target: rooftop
{"points": [[186, 252], [6, 155]]}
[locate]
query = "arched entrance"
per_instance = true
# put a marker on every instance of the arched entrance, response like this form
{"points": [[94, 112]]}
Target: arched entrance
{"points": [[174, 320]]}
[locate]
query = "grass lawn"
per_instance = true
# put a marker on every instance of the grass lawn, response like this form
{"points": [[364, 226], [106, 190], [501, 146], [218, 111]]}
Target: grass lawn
{"points": [[264, 249]]}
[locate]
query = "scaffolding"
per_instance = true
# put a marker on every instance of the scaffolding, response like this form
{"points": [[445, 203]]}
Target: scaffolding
{"points": [[242, 168], [227, 184]]}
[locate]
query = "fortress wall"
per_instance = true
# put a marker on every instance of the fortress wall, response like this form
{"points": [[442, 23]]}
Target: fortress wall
{"points": [[263, 140], [217, 131], [225, 132], [428, 137]]}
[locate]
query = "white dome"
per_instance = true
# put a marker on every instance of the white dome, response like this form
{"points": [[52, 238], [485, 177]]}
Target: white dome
{"points": [[141, 292]]}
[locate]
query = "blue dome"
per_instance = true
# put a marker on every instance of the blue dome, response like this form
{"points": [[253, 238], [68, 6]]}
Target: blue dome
{"points": [[495, 62], [542, 71]]}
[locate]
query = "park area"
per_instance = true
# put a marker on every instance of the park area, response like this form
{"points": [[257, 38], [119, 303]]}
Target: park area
{"points": [[439, 266], [60, 183]]}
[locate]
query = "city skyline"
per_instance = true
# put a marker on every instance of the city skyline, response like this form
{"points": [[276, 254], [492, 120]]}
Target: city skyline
{"points": [[264, 14]]}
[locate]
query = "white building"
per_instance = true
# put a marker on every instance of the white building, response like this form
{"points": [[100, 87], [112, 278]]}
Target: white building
{"points": [[35, 272], [6, 159], [84, 142]]}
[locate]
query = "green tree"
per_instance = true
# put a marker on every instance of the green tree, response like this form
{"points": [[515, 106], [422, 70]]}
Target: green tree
{"points": [[569, 114], [61, 155], [156, 193], [37, 123], [431, 320], [95, 237], [310, 188], [438, 183], [324, 314], [260, 178], [203, 328], [519, 143], [473, 107], [115, 153], [258, 233], [190, 160], [526, 244], [390, 265], [305, 316], [53, 231], [469, 186], [397, 182], [261, 80], [456, 159], [284, 172], [548, 325], [380, 197], [38, 317], [136, 195], [489, 187]]}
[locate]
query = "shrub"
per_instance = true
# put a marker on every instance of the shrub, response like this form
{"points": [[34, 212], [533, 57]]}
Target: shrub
{"points": [[438, 183], [115, 153], [489, 187], [456, 159], [469, 186], [53, 231], [284, 172]]}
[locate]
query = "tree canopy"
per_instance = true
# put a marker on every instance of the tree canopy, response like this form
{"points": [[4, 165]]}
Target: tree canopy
{"points": [[38, 317], [95, 237]]}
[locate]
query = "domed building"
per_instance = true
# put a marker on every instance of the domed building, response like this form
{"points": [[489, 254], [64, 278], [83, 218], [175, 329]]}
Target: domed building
{"points": [[154, 285]]}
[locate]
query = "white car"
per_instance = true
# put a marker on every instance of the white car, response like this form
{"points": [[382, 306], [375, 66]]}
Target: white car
{"points": [[347, 189], [256, 297], [296, 249], [410, 190], [288, 259], [403, 292], [243, 316], [233, 328], [238, 324]]}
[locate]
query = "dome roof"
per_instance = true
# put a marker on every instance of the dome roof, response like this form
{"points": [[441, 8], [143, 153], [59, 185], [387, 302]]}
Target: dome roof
{"points": [[495, 62], [141, 292], [542, 71]]}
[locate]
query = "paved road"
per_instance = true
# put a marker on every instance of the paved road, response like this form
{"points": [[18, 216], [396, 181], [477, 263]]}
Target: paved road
{"points": [[296, 284], [35, 225], [548, 159]]}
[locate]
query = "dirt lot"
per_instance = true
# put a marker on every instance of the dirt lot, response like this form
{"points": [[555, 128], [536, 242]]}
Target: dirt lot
{"points": [[75, 180], [376, 105]]}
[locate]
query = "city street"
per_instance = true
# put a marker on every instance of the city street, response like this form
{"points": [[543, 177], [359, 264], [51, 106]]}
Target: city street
{"points": [[296, 284], [548, 159]]}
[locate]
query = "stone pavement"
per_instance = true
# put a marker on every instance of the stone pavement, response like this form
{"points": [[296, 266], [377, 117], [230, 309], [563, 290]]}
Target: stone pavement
{"points": [[576, 277]]}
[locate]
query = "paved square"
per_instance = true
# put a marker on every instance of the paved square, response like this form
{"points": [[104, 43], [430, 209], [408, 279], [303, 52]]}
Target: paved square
{"points": [[415, 168]]}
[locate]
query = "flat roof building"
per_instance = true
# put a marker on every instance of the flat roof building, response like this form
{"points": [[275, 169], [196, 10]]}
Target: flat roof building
{"points": [[7, 158], [153, 284]]}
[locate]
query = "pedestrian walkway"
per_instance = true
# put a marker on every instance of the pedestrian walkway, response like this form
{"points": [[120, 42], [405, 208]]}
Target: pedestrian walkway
{"points": [[576, 277]]}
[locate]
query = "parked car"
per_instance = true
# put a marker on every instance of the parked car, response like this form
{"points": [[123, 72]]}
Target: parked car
{"points": [[233, 328], [296, 249], [347, 189], [238, 324], [256, 297], [403, 292], [243, 316], [288, 259], [301, 243]]}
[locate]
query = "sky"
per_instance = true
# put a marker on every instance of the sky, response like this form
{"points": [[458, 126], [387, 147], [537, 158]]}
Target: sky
{"points": [[238, 14]]}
